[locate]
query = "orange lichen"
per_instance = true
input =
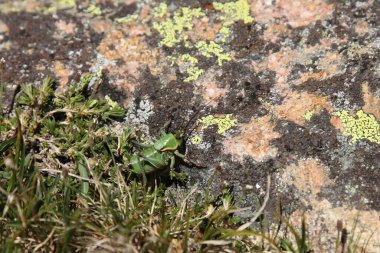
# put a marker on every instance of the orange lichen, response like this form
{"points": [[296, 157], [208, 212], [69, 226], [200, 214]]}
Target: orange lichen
{"points": [[3, 28], [203, 30], [133, 51], [212, 92], [308, 176], [62, 72], [254, 140], [296, 104], [297, 13], [371, 102]]}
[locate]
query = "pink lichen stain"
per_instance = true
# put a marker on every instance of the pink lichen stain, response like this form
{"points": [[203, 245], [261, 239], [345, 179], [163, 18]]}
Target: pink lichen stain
{"points": [[362, 27], [254, 140], [100, 25], [62, 72], [308, 176], [203, 30], [65, 27], [211, 93], [330, 65], [3, 27], [274, 31], [296, 104], [297, 13], [371, 101], [132, 50], [336, 122]]}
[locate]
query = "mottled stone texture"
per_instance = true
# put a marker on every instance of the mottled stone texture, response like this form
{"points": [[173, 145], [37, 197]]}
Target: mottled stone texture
{"points": [[285, 70]]}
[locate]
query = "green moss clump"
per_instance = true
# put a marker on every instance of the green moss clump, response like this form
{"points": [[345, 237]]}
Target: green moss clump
{"points": [[363, 127]]}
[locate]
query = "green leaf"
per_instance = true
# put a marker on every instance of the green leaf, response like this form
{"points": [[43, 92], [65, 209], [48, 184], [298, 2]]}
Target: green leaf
{"points": [[83, 173]]}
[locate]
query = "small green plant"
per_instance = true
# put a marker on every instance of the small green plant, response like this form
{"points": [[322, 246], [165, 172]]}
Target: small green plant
{"points": [[299, 243]]}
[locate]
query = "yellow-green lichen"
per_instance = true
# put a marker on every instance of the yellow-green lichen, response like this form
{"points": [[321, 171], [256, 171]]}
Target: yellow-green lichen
{"points": [[308, 115], [231, 12], [94, 10], [196, 140], [224, 33], [160, 10], [363, 127], [212, 49], [234, 11], [355, 50], [127, 19], [192, 70], [223, 124], [61, 4], [171, 29]]}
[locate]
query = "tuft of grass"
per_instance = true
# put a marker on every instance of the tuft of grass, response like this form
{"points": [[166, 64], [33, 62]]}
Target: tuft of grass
{"points": [[66, 186]]}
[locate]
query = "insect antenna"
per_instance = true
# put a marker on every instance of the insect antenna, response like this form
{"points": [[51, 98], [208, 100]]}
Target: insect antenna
{"points": [[186, 133]]}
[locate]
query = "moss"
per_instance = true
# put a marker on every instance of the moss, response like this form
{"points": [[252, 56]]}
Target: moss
{"points": [[171, 29], [127, 19], [94, 10], [192, 70], [363, 127], [160, 10], [308, 115], [212, 49], [223, 124]]}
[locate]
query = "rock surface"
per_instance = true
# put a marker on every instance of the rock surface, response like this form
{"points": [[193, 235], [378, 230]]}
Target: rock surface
{"points": [[289, 88]]}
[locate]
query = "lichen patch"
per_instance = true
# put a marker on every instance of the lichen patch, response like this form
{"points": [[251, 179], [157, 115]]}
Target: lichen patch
{"points": [[308, 176], [254, 140], [297, 104], [371, 101]]}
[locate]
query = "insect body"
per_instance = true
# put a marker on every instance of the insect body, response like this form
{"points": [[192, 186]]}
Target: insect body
{"points": [[158, 156]]}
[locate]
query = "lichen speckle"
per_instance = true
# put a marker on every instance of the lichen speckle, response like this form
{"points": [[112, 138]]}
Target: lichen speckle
{"points": [[127, 19], [308, 115], [363, 127], [223, 124], [196, 140]]}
